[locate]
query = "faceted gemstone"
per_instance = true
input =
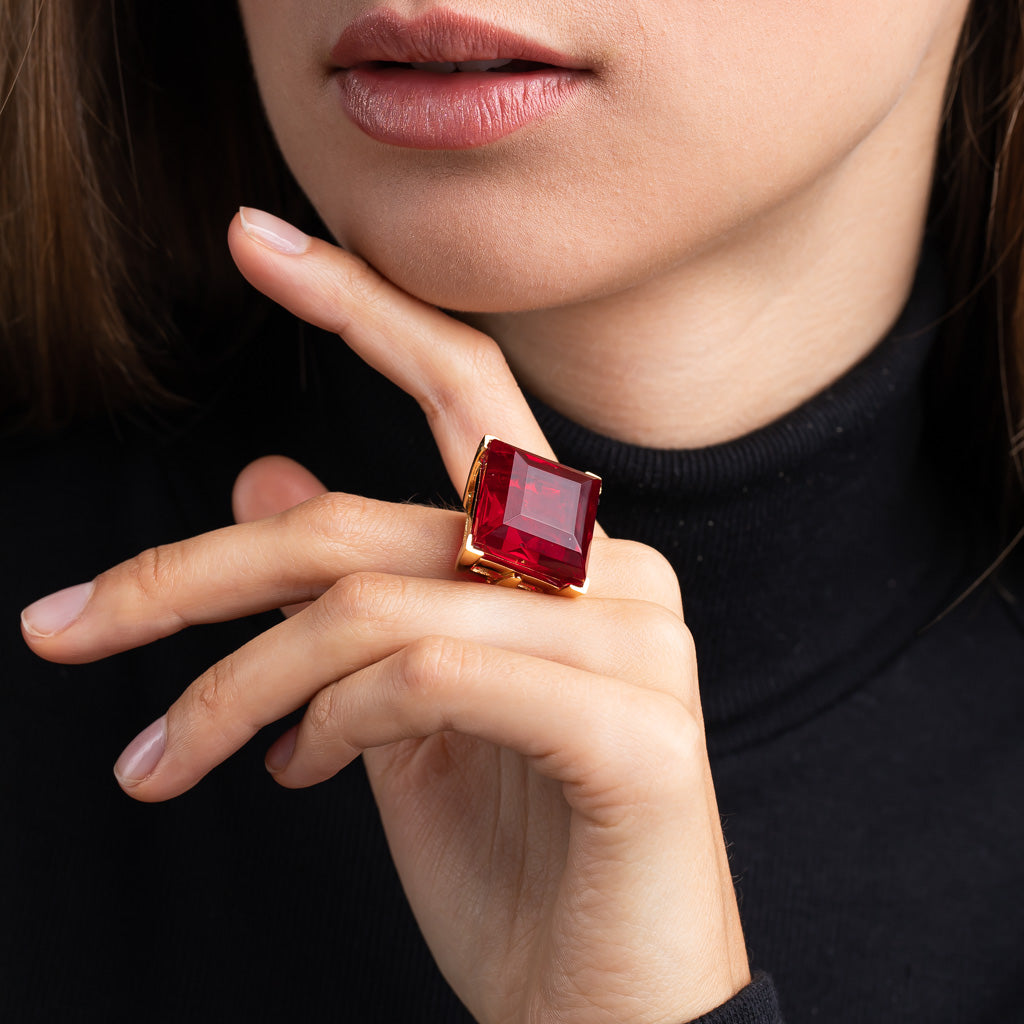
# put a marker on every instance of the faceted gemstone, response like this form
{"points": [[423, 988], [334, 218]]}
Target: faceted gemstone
{"points": [[534, 516]]}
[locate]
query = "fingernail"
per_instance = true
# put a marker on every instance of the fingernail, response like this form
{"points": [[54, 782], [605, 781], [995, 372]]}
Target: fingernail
{"points": [[281, 752], [273, 232], [142, 755], [49, 615]]}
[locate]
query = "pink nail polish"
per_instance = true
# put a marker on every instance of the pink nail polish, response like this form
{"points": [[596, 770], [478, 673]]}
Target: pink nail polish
{"points": [[49, 615], [273, 232], [142, 755]]}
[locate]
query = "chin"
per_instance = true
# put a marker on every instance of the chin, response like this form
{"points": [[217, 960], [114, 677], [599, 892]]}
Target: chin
{"points": [[471, 276], [469, 268]]}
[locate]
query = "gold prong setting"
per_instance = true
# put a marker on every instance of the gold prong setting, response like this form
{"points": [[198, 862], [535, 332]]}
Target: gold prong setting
{"points": [[537, 514]]}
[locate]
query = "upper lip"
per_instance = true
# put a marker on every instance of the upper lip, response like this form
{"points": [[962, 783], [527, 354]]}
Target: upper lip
{"points": [[441, 35]]}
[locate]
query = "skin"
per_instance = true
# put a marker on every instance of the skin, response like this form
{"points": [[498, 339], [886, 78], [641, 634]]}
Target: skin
{"points": [[727, 220], [731, 213]]}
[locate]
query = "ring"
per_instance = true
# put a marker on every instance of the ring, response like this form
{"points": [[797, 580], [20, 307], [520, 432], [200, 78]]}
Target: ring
{"points": [[529, 521]]}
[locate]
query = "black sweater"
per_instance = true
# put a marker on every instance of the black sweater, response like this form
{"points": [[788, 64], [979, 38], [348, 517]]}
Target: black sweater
{"points": [[869, 763]]}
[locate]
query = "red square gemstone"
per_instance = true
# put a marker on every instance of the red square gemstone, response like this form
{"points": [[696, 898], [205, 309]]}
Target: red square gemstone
{"points": [[534, 516]]}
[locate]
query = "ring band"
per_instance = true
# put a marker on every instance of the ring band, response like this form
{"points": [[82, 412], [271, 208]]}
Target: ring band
{"points": [[529, 521]]}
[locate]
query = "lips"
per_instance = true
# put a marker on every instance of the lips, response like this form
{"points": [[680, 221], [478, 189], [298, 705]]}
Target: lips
{"points": [[445, 80]]}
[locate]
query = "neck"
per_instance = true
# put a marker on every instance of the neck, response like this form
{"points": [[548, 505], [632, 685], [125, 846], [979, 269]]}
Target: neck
{"points": [[733, 337]]}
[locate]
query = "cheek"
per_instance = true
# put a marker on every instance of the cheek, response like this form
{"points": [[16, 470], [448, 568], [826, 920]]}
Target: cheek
{"points": [[754, 100]]}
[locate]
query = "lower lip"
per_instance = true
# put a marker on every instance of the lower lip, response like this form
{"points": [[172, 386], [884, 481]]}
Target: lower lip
{"points": [[461, 110]]}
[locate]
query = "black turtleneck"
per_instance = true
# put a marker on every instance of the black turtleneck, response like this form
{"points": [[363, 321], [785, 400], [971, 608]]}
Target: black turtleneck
{"points": [[867, 750], [807, 551]]}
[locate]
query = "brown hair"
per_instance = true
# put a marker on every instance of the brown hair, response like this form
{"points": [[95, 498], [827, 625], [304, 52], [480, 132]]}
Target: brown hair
{"points": [[112, 262], [116, 187], [978, 217]]}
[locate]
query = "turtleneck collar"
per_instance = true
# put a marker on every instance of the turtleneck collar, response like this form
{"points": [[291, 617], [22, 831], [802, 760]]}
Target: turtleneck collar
{"points": [[809, 552]]}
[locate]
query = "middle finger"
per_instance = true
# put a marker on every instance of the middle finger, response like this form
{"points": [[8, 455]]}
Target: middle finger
{"points": [[367, 617]]}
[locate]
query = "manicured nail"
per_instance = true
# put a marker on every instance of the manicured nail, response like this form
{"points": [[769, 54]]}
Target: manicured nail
{"points": [[49, 615], [273, 232], [142, 755], [281, 752]]}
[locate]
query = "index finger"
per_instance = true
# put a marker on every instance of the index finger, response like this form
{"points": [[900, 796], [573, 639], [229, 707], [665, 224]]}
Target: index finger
{"points": [[457, 374]]}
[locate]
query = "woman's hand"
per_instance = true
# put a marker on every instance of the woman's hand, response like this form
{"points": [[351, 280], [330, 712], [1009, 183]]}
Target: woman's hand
{"points": [[539, 762]]}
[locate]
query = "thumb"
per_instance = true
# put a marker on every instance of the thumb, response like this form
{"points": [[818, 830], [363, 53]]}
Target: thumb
{"points": [[271, 485]]}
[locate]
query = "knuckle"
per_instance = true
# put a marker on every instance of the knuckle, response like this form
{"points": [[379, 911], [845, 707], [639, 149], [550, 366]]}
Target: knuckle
{"points": [[686, 740], [323, 712], [352, 291], [650, 760], [430, 662], [364, 284], [654, 569], [480, 366], [667, 651], [152, 571], [215, 692], [365, 601], [329, 520], [323, 515], [484, 359], [674, 747], [653, 564], [663, 632]]}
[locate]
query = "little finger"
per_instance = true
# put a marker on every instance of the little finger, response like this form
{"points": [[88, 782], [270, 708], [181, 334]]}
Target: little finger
{"points": [[594, 731]]}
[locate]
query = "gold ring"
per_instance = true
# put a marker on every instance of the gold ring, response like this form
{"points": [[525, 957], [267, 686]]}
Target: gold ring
{"points": [[529, 521]]}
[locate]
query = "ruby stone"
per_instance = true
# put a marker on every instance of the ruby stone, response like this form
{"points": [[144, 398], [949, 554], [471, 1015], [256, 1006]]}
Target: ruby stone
{"points": [[534, 516]]}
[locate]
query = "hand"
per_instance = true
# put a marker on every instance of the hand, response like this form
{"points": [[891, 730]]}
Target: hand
{"points": [[539, 762]]}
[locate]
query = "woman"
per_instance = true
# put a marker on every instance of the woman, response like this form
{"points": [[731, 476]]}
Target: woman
{"points": [[694, 237]]}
